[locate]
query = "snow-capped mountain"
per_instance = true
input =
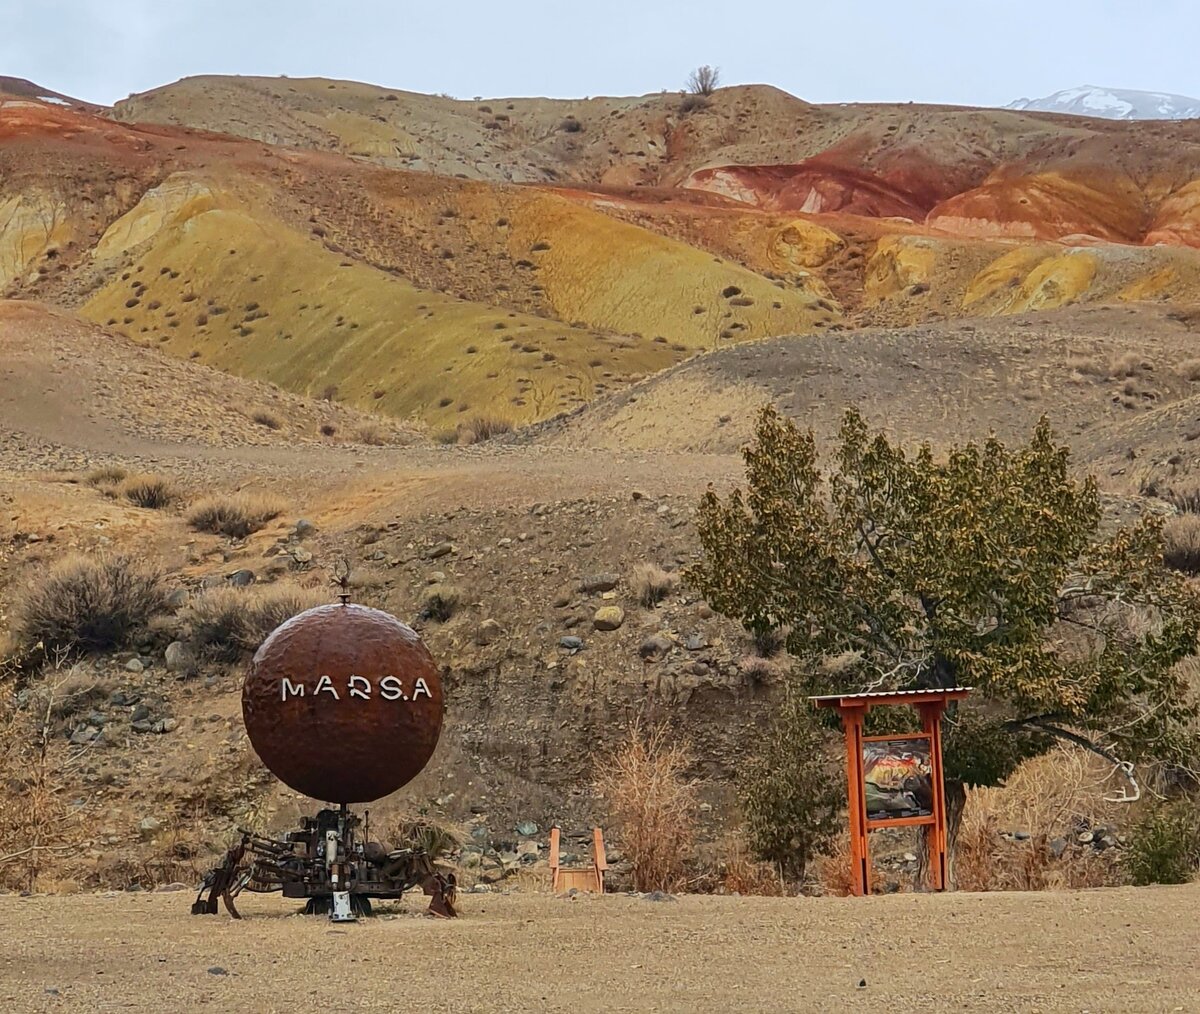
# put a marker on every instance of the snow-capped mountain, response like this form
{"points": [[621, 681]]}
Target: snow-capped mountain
{"points": [[1114, 104]]}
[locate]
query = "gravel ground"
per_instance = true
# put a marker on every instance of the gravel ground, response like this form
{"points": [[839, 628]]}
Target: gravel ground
{"points": [[1111, 950]]}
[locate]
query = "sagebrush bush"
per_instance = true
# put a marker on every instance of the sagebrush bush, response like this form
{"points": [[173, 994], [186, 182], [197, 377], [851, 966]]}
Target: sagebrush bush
{"points": [[482, 428], [1181, 543], [106, 475], [88, 603], [225, 624], [265, 418], [651, 584], [234, 514], [1164, 846], [1189, 369], [437, 839], [372, 435], [439, 602], [151, 491], [1186, 500], [653, 805]]}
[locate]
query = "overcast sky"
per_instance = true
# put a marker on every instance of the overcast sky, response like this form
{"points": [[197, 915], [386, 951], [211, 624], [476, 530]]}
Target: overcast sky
{"points": [[958, 51]]}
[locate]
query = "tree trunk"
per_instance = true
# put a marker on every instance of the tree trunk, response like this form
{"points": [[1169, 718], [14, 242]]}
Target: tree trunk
{"points": [[956, 802]]}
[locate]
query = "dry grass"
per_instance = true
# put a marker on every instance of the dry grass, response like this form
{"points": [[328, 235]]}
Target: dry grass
{"points": [[651, 584], [234, 514], [832, 869], [653, 805], [226, 624], [1130, 364], [106, 475], [438, 839], [86, 603], [264, 418], [742, 874], [154, 492], [372, 435], [1181, 543], [1189, 369], [482, 428], [1049, 797], [440, 602]]}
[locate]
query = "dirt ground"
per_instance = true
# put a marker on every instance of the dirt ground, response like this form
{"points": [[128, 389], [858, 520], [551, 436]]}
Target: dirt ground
{"points": [[1110, 950]]}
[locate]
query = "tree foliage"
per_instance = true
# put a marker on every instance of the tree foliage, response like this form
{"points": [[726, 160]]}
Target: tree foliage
{"points": [[791, 799], [988, 569]]}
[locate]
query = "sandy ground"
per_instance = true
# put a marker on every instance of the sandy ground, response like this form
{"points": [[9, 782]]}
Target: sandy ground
{"points": [[1111, 950]]}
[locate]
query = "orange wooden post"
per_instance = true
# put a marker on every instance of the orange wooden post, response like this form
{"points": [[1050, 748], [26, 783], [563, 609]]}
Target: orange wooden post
{"points": [[931, 722], [554, 858], [860, 859]]}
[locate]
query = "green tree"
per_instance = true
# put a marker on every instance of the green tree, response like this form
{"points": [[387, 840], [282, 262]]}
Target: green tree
{"points": [[988, 569], [791, 796]]}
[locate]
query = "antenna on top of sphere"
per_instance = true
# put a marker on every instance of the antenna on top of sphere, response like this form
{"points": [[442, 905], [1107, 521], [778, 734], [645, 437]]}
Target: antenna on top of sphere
{"points": [[341, 578]]}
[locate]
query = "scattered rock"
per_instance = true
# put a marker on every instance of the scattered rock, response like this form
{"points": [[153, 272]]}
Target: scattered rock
{"points": [[241, 578], [696, 642], [655, 647], [84, 734], [526, 827], [440, 550], [303, 527], [140, 713], [593, 583], [489, 631], [135, 665], [171, 888], [571, 643], [1085, 837], [300, 554], [142, 725], [608, 618], [1058, 846], [1021, 835], [658, 896], [479, 889], [217, 970], [179, 658], [148, 827]]}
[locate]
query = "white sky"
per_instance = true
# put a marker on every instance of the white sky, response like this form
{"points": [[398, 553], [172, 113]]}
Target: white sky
{"points": [[957, 51]]}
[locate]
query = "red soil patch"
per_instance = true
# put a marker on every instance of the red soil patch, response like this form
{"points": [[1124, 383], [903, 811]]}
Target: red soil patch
{"points": [[813, 186]]}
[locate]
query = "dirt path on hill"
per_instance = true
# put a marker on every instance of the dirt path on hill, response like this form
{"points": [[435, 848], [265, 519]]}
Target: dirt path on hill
{"points": [[1111, 950]]}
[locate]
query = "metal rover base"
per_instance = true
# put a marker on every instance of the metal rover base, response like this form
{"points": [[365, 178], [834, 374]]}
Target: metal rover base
{"points": [[326, 863]]}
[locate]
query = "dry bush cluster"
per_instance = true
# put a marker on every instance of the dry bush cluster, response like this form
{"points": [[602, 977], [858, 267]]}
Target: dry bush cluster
{"points": [[482, 428], [86, 603], [267, 420], [651, 584], [226, 624], [155, 492], [652, 803], [1051, 797], [1181, 543], [234, 514], [438, 839], [440, 602]]}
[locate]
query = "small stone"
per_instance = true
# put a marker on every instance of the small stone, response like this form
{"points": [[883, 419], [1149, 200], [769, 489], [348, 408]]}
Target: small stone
{"points": [[862, 983], [696, 642], [166, 725], [658, 896], [177, 599], [303, 527], [440, 550], [300, 554], [562, 599], [527, 848], [148, 827], [489, 631], [1085, 837], [637, 494], [910, 857], [179, 657], [217, 970], [593, 583], [479, 889], [608, 618], [143, 725], [140, 713], [526, 827], [1021, 835], [135, 665], [571, 643], [84, 734], [1057, 847], [241, 578], [171, 888], [655, 648], [705, 612]]}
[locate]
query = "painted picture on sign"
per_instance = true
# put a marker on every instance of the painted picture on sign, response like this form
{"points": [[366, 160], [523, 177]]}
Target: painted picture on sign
{"points": [[898, 778]]}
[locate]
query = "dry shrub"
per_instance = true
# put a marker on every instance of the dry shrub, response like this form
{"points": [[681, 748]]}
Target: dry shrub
{"points": [[1087, 366], [651, 584], [742, 874], [437, 839], [88, 603], [703, 80], [1189, 369], [653, 804], [39, 828], [234, 514], [1186, 500], [265, 418], [147, 490], [1128, 365], [1181, 543], [833, 872], [106, 475], [440, 602], [227, 623], [371, 434], [1050, 797], [482, 428]]}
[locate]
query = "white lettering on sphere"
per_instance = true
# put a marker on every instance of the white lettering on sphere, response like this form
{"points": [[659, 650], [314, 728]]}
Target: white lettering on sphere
{"points": [[390, 688]]}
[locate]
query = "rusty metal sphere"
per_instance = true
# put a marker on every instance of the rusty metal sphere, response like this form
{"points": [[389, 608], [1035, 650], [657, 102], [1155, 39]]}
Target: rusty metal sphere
{"points": [[343, 703]]}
